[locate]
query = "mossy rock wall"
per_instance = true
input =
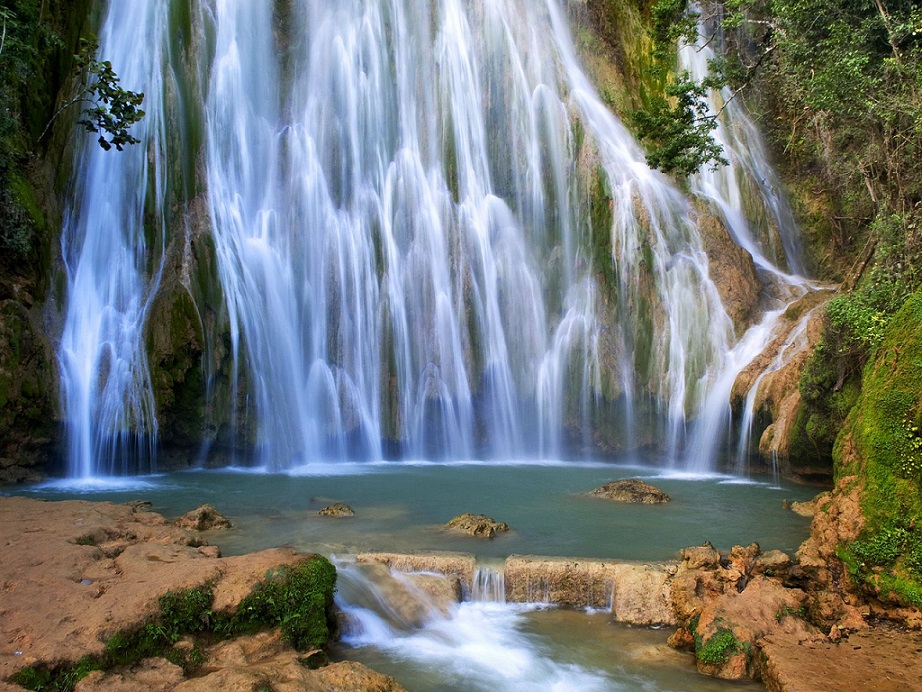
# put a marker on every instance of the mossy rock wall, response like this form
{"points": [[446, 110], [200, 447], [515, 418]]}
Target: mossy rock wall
{"points": [[881, 445], [27, 386]]}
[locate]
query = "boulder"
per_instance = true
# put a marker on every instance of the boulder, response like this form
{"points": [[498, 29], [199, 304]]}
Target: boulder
{"points": [[700, 556], [478, 525], [729, 627], [631, 490], [204, 518], [337, 509]]}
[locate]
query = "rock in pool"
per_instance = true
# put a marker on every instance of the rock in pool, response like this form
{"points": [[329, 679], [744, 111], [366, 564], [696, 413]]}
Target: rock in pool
{"points": [[631, 490], [477, 525], [203, 518], [337, 509]]}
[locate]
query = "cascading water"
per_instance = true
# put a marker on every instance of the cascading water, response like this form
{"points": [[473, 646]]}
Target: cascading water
{"points": [[747, 196], [432, 238], [473, 645], [111, 278]]}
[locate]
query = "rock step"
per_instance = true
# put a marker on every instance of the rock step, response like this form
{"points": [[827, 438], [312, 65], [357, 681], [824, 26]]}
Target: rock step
{"points": [[637, 593]]}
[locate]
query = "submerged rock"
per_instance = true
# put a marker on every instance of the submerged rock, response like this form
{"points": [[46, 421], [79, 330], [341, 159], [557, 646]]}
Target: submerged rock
{"points": [[337, 509], [203, 518], [631, 490], [477, 525]]}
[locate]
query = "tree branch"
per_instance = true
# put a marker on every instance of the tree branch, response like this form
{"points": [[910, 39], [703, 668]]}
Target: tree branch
{"points": [[60, 110]]}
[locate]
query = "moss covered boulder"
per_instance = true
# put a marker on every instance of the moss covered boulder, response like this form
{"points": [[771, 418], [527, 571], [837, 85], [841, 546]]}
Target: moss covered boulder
{"points": [[880, 448]]}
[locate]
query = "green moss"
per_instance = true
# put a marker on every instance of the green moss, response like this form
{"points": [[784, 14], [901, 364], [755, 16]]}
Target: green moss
{"points": [[61, 679], [879, 445], [296, 599], [718, 649]]}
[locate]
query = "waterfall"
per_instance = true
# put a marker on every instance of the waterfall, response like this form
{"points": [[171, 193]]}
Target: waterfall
{"points": [[489, 585], [110, 232], [747, 195], [433, 240]]}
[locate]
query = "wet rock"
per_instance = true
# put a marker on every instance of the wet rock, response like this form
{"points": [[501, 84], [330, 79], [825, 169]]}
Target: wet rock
{"points": [[631, 490], [458, 565], [337, 509], [732, 270], [637, 593], [478, 525], [409, 600], [204, 518], [808, 509]]}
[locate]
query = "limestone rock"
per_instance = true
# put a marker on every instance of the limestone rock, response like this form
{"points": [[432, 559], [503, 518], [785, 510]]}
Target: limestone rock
{"points": [[461, 566], [477, 525], [408, 600], [637, 593], [700, 556], [741, 620], [263, 661], [72, 573], [732, 270], [151, 675], [631, 490], [879, 659], [337, 509], [204, 518]]}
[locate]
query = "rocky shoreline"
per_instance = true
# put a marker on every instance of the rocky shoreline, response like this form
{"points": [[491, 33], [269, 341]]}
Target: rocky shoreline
{"points": [[114, 597]]}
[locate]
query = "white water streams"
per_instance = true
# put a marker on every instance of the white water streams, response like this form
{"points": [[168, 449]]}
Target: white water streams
{"points": [[111, 276], [747, 196], [473, 645], [433, 239]]}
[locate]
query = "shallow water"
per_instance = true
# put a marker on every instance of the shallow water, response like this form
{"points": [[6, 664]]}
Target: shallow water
{"points": [[401, 507], [483, 646]]}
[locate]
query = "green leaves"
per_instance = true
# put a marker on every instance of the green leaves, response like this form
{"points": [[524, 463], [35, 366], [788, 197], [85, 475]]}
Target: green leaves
{"points": [[676, 128], [113, 109]]}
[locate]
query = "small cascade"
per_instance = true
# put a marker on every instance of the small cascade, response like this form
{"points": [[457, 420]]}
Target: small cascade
{"points": [[489, 585], [747, 195], [794, 343], [476, 645]]}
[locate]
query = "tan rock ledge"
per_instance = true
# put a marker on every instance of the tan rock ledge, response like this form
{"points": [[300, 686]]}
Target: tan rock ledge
{"points": [[637, 593]]}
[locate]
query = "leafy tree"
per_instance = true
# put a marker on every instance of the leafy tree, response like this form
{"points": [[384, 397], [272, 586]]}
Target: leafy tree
{"points": [[108, 109], [677, 128]]}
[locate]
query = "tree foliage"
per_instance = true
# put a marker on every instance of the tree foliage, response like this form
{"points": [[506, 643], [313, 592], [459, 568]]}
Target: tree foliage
{"points": [[677, 128], [110, 110]]}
